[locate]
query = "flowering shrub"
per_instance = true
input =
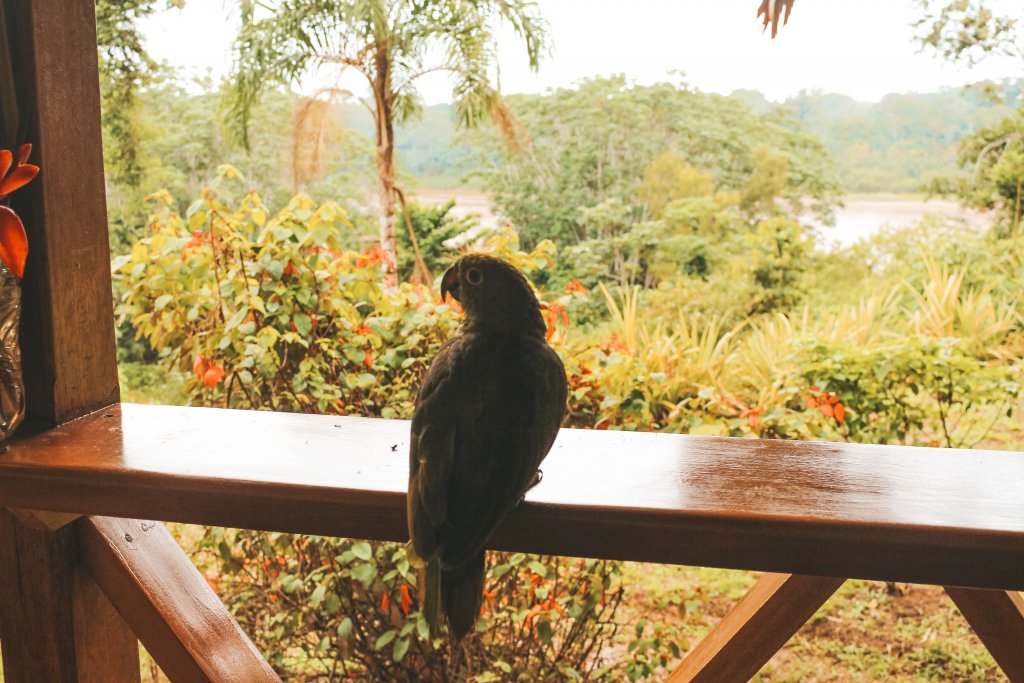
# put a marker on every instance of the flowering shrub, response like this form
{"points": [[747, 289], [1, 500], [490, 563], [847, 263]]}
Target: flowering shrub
{"points": [[274, 312], [349, 609]]}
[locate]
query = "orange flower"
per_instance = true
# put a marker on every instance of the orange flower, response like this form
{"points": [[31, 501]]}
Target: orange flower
{"points": [[368, 359], [290, 269], [372, 256], [363, 330], [826, 409], [839, 412], [384, 601], [199, 365], [272, 597], [576, 286], [213, 376], [407, 599], [13, 240]]}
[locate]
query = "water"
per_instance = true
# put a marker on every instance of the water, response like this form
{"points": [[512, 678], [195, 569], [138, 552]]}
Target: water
{"points": [[856, 220]]}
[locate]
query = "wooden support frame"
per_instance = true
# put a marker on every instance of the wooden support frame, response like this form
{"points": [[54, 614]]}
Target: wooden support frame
{"points": [[67, 331], [175, 613], [755, 628], [55, 624], [997, 617]]}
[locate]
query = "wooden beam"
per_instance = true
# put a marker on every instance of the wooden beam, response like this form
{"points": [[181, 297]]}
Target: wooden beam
{"points": [[892, 513], [55, 625], [755, 629], [168, 604], [67, 331], [998, 619]]}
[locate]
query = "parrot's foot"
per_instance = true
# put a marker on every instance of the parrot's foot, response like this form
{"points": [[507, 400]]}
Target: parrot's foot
{"points": [[536, 480]]}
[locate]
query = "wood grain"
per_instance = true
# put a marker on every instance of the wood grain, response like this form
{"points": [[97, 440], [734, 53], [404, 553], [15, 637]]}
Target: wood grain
{"points": [[755, 629], [946, 517], [998, 619], [67, 332], [55, 627], [168, 604]]}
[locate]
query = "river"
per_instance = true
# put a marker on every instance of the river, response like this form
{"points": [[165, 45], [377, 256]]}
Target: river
{"points": [[857, 219]]}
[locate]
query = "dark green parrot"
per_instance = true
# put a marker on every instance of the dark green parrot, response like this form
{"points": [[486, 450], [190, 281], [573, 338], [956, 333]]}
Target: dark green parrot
{"points": [[486, 415]]}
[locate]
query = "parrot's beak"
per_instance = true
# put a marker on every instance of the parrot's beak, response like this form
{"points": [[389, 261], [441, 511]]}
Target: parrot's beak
{"points": [[450, 284]]}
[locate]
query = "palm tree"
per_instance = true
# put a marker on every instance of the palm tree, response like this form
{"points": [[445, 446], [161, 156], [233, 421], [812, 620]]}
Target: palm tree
{"points": [[391, 43]]}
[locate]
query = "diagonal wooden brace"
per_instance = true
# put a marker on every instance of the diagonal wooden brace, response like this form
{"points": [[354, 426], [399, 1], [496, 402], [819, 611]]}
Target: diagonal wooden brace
{"points": [[755, 628], [168, 604], [998, 619]]}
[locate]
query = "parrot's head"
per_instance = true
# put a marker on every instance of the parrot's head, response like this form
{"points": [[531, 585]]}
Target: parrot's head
{"points": [[494, 294]]}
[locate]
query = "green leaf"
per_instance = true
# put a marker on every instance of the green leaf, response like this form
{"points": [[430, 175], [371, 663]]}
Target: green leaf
{"points": [[401, 647], [236, 319], [345, 629], [162, 301], [384, 639], [318, 596], [303, 324], [364, 572], [362, 550]]}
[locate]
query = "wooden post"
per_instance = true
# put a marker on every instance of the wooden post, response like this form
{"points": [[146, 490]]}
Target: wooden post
{"points": [[67, 331], [56, 626]]}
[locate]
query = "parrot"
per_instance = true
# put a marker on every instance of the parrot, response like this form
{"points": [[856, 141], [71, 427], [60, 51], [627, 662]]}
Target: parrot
{"points": [[486, 414]]}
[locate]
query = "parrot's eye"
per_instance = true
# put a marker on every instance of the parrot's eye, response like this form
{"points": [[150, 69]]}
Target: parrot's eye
{"points": [[474, 276]]}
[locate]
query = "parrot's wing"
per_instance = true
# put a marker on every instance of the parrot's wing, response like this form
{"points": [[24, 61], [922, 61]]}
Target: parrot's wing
{"points": [[432, 446], [518, 407]]}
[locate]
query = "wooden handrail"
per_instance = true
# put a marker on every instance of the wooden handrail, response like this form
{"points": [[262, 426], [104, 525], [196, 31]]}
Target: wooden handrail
{"points": [[944, 517]]}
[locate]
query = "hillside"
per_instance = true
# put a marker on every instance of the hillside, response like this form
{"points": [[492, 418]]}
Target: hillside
{"points": [[897, 144]]}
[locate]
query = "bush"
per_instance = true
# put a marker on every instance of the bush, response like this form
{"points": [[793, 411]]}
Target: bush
{"points": [[350, 609]]}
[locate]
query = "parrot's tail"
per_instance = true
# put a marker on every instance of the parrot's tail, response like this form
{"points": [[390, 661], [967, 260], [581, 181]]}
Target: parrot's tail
{"points": [[462, 590], [430, 594]]}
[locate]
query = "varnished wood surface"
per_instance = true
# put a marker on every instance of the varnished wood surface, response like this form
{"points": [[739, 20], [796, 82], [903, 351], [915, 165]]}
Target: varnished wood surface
{"points": [[755, 629], [894, 513], [997, 617], [55, 624], [168, 604], [67, 331]]}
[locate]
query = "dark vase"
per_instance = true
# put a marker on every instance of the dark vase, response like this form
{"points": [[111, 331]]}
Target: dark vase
{"points": [[12, 387]]}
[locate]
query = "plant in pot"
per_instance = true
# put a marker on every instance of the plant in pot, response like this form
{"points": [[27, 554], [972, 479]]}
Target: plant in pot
{"points": [[14, 173]]}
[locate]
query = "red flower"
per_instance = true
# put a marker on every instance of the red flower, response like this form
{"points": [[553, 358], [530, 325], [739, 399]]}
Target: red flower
{"points": [[407, 599], [372, 257], [384, 601], [199, 365], [197, 240], [576, 286], [13, 240], [213, 375]]}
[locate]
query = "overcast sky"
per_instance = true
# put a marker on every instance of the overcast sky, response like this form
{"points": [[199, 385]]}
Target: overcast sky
{"points": [[865, 52]]}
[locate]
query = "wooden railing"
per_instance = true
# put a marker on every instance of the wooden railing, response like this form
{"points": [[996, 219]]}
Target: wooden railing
{"points": [[76, 592], [813, 514]]}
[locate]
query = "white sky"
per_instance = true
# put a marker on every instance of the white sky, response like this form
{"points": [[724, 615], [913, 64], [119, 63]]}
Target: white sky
{"points": [[863, 48]]}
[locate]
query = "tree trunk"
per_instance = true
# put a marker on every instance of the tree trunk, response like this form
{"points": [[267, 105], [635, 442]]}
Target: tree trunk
{"points": [[386, 163]]}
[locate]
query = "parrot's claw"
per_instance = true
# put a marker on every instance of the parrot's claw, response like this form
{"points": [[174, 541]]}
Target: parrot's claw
{"points": [[536, 480]]}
